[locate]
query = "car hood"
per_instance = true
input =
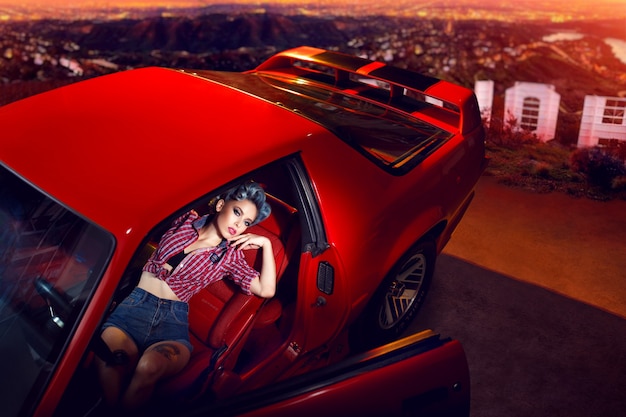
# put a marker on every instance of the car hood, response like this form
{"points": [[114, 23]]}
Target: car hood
{"points": [[130, 148]]}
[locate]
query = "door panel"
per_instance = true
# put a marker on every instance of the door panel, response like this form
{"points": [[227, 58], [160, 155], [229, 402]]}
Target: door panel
{"points": [[421, 375]]}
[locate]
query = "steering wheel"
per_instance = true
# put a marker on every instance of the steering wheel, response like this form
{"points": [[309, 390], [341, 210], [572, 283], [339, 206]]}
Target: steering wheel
{"points": [[60, 307]]}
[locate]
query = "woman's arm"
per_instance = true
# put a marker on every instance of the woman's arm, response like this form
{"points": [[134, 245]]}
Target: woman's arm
{"points": [[265, 284]]}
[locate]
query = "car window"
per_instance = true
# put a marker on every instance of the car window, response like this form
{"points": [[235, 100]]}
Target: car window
{"points": [[391, 139], [50, 260]]}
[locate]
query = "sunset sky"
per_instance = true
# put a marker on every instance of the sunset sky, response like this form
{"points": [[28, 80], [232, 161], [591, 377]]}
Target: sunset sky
{"points": [[142, 3], [567, 9]]}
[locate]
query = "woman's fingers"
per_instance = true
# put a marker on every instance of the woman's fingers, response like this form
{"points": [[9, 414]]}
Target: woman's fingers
{"points": [[247, 241]]}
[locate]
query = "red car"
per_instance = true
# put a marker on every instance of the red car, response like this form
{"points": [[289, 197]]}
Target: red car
{"points": [[368, 168]]}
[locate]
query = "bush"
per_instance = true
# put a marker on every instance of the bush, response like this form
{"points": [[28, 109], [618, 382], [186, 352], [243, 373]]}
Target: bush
{"points": [[509, 134], [598, 167], [541, 169], [619, 184]]}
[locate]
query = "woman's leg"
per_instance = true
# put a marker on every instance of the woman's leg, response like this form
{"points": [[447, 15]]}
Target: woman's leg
{"points": [[160, 360], [113, 378]]}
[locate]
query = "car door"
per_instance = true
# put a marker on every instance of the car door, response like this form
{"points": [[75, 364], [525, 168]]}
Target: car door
{"points": [[420, 375], [323, 305]]}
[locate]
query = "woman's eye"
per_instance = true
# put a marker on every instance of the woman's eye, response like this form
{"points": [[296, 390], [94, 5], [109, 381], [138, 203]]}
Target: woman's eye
{"points": [[247, 224], [237, 212]]}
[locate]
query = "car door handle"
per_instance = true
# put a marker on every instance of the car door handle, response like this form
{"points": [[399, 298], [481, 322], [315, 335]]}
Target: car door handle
{"points": [[325, 277]]}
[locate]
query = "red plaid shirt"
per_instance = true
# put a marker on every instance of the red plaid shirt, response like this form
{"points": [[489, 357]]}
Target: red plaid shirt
{"points": [[200, 267]]}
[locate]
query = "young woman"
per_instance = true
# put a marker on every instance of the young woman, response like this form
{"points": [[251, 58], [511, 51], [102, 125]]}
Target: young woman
{"points": [[149, 329]]}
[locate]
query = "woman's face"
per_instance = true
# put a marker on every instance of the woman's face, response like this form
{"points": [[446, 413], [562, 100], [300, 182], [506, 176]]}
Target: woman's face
{"points": [[234, 217]]}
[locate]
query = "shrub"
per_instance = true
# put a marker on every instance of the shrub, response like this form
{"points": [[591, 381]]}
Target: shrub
{"points": [[619, 183], [541, 169], [598, 167], [509, 133]]}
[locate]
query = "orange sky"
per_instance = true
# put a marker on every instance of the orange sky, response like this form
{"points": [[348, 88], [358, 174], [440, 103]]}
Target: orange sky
{"points": [[609, 8], [141, 3]]}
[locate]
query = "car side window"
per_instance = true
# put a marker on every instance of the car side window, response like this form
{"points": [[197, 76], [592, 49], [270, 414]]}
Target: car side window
{"points": [[50, 260]]}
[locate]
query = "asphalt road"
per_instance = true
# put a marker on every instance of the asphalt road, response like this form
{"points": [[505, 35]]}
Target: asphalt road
{"points": [[534, 286]]}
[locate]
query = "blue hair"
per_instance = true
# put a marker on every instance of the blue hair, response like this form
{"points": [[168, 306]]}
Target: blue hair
{"points": [[250, 191]]}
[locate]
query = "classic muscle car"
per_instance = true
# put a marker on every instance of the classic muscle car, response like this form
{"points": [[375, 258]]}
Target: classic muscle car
{"points": [[368, 168]]}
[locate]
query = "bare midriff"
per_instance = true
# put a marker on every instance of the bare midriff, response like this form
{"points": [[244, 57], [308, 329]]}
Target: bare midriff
{"points": [[155, 286]]}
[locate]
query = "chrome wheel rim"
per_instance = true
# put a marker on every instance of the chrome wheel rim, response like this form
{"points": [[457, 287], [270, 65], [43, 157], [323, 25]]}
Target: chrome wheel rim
{"points": [[403, 291]]}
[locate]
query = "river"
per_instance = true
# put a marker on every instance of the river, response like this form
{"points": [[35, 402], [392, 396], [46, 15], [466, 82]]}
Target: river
{"points": [[618, 46]]}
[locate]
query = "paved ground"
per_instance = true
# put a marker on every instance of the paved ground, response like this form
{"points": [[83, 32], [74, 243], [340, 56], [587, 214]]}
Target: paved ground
{"points": [[534, 287], [573, 246]]}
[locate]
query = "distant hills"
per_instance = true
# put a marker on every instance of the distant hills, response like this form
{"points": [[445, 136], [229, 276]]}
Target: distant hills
{"points": [[207, 33]]}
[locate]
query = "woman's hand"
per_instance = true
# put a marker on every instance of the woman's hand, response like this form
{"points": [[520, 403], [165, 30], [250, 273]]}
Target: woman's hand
{"points": [[265, 284], [250, 241]]}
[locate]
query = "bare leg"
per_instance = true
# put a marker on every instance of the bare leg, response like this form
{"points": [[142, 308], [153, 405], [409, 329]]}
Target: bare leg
{"points": [[113, 378], [158, 361]]}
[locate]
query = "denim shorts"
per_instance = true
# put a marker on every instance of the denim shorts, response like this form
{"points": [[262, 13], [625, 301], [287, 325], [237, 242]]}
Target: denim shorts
{"points": [[148, 319]]}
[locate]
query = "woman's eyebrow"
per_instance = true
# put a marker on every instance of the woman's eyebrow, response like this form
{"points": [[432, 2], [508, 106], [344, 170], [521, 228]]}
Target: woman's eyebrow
{"points": [[244, 213]]}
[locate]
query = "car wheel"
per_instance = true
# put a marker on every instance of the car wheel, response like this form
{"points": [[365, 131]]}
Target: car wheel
{"points": [[399, 297]]}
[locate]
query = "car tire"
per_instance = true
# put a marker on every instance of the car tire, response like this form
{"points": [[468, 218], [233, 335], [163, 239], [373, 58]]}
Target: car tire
{"points": [[398, 299]]}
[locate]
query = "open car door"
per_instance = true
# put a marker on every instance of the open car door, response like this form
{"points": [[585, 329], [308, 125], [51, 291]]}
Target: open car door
{"points": [[420, 375]]}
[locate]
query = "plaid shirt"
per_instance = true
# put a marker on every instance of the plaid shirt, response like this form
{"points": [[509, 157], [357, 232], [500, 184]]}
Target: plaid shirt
{"points": [[200, 267]]}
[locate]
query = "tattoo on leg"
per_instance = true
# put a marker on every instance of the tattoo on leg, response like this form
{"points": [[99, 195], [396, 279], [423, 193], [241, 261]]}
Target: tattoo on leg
{"points": [[169, 350], [118, 358]]}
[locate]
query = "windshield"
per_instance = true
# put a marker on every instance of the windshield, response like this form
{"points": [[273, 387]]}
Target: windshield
{"points": [[50, 260]]}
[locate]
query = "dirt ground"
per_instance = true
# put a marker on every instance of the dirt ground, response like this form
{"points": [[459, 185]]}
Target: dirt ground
{"points": [[575, 247]]}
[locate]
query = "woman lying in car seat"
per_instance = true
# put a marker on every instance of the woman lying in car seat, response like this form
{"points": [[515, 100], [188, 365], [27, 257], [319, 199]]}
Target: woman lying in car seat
{"points": [[149, 329]]}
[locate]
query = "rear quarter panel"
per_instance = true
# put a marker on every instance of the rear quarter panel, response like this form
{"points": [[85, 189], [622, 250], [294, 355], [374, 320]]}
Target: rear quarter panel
{"points": [[373, 217]]}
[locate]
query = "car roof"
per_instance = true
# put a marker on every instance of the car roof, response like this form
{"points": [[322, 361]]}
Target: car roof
{"points": [[128, 149]]}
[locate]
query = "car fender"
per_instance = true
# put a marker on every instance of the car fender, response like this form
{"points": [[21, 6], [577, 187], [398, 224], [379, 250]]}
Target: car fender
{"points": [[423, 227]]}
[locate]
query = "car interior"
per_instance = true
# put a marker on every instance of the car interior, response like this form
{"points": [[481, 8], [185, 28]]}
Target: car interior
{"points": [[234, 334]]}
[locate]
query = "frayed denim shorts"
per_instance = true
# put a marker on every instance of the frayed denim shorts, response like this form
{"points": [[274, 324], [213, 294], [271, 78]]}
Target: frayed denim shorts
{"points": [[148, 319]]}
